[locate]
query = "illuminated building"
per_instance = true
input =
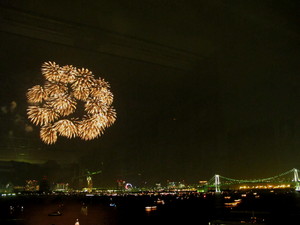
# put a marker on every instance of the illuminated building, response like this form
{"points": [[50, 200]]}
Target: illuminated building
{"points": [[63, 187], [171, 184], [202, 186], [121, 184], [89, 183], [32, 185]]}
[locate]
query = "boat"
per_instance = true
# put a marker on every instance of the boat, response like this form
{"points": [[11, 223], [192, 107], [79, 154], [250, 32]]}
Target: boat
{"points": [[56, 213]]}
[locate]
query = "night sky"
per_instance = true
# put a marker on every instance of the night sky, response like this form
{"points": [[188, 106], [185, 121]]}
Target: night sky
{"points": [[200, 87]]}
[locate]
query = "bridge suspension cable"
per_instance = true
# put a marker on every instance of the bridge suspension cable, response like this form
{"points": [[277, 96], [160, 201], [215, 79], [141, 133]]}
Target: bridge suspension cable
{"points": [[261, 179], [215, 180]]}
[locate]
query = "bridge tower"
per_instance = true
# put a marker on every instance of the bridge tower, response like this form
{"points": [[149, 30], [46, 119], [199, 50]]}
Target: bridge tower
{"points": [[217, 183], [296, 180]]}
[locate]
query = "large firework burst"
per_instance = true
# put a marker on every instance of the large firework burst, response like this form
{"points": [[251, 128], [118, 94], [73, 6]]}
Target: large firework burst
{"points": [[51, 105]]}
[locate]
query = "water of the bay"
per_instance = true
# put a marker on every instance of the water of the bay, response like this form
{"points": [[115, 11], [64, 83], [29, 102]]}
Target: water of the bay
{"points": [[241, 207]]}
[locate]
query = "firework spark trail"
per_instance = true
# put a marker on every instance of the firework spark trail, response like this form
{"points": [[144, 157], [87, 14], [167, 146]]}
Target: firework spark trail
{"points": [[49, 105]]}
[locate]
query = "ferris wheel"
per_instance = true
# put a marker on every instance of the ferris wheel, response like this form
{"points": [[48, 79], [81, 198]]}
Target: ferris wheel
{"points": [[128, 186]]}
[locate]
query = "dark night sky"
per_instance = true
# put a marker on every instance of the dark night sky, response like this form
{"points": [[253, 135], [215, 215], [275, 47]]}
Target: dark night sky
{"points": [[201, 87]]}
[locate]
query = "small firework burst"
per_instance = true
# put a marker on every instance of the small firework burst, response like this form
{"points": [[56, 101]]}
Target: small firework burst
{"points": [[94, 106], [41, 115], [51, 71], [35, 94], [51, 105], [64, 104], [66, 128], [48, 134]]}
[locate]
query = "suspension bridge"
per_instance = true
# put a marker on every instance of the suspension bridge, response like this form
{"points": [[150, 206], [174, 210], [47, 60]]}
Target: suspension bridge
{"points": [[287, 179]]}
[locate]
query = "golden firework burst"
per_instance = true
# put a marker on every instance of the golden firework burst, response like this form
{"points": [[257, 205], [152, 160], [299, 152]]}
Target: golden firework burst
{"points": [[94, 106], [41, 115], [51, 71], [66, 128], [36, 94], [90, 128], [51, 105], [64, 104], [48, 134]]}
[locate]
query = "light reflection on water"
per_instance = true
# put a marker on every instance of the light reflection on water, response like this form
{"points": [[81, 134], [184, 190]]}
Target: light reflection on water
{"points": [[273, 207]]}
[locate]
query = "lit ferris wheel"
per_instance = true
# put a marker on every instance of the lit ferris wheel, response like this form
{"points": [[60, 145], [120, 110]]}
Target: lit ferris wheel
{"points": [[128, 186]]}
